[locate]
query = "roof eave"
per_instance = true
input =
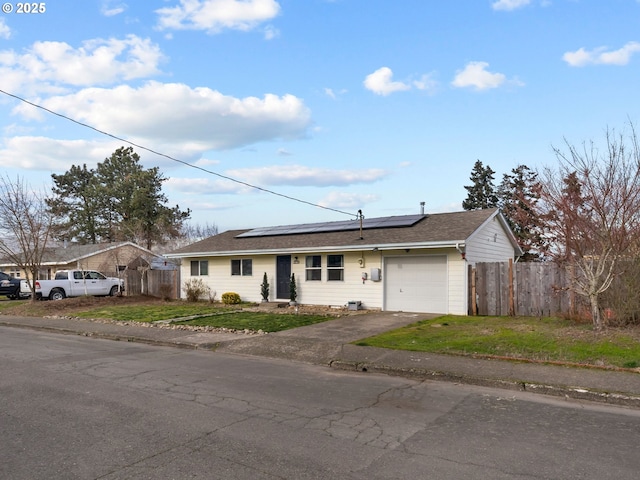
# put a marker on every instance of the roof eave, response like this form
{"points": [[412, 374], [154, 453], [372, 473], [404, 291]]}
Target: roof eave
{"points": [[341, 248]]}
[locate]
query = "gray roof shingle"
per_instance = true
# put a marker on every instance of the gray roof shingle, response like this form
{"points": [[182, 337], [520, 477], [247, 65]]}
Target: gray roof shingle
{"points": [[433, 228]]}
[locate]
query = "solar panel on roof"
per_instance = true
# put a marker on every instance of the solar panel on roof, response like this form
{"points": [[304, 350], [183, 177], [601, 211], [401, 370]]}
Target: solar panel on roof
{"points": [[342, 226]]}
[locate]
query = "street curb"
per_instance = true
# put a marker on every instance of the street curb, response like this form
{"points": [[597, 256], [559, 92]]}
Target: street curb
{"points": [[110, 336], [566, 391]]}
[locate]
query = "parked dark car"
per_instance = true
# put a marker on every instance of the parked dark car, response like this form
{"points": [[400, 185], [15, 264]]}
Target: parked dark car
{"points": [[9, 286]]}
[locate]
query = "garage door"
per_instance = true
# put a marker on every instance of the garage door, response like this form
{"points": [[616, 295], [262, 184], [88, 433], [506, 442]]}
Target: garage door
{"points": [[416, 284]]}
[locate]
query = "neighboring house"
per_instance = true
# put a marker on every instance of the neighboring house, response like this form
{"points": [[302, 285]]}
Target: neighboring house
{"points": [[413, 263], [108, 258]]}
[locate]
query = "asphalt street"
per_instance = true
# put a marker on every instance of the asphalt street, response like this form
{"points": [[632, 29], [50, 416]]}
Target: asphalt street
{"points": [[83, 408], [328, 343]]}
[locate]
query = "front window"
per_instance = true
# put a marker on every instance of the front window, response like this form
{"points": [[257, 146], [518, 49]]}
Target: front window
{"points": [[199, 268], [313, 266], [242, 267], [335, 267]]}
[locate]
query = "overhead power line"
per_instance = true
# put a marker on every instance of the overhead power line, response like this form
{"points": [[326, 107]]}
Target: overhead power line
{"points": [[142, 147]]}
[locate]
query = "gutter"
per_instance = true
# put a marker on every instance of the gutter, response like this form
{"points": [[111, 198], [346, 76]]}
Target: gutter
{"points": [[351, 248]]}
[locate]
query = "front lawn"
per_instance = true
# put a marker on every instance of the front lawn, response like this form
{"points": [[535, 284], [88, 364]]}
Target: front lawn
{"points": [[267, 322], [207, 316], [148, 309], [546, 339], [6, 304], [154, 311]]}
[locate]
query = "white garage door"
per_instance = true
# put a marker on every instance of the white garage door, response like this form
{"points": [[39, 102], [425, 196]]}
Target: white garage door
{"points": [[416, 284]]}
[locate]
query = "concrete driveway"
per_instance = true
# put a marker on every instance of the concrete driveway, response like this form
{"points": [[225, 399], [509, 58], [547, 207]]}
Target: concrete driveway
{"points": [[321, 342]]}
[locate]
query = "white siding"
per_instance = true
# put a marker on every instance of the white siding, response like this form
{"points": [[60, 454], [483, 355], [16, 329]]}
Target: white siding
{"points": [[490, 243], [339, 293], [323, 292], [220, 279], [457, 284]]}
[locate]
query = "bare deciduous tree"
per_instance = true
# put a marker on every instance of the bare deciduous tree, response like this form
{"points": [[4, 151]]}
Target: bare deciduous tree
{"points": [[25, 227], [192, 232], [591, 205]]}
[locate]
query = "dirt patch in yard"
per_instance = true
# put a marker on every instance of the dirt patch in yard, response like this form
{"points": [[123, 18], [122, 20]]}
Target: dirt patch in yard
{"points": [[70, 306]]}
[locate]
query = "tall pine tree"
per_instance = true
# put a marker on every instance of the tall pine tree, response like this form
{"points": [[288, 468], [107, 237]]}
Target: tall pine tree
{"points": [[481, 193], [119, 200], [518, 194], [75, 205]]}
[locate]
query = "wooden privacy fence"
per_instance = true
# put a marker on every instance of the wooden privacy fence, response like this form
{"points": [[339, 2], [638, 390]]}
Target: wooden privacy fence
{"points": [[157, 283], [528, 288]]}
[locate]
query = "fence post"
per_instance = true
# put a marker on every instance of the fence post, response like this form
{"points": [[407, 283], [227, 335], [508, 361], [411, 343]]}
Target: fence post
{"points": [[512, 307], [474, 306]]}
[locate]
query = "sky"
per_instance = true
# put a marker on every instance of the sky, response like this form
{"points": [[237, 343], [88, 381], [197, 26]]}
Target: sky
{"points": [[326, 106]]}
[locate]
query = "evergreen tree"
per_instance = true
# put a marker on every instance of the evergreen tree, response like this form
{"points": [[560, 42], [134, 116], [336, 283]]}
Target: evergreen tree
{"points": [[119, 200], [481, 193], [75, 205], [264, 288], [293, 289], [518, 194]]}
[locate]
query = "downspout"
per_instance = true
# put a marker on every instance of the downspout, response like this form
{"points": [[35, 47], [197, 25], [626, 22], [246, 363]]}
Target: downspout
{"points": [[465, 278]]}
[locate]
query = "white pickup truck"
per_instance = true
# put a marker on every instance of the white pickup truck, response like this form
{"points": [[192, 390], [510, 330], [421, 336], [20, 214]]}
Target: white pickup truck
{"points": [[76, 283]]}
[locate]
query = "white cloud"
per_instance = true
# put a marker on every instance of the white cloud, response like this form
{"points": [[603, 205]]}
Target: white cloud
{"points": [[42, 153], [111, 8], [50, 66], [425, 82], [206, 186], [5, 31], [204, 162], [303, 176], [172, 118], [380, 82], [347, 200], [214, 16], [281, 175], [331, 93], [175, 117], [270, 32], [600, 56], [475, 75], [509, 5]]}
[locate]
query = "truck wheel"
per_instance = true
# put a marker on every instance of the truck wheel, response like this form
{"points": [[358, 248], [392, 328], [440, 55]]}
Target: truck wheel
{"points": [[57, 294], [114, 291]]}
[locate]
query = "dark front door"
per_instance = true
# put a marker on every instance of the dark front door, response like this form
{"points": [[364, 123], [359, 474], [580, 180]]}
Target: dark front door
{"points": [[283, 276]]}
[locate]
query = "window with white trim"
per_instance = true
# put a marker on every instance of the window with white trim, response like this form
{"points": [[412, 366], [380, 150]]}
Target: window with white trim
{"points": [[199, 268], [313, 268], [243, 266], [335, 268]]}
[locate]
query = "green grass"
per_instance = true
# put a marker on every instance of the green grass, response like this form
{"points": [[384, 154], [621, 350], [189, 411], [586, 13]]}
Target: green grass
{"points": [[5, 303], [526, 338], [210, 315], [267, 322], [546, 339], [152, 313]]}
